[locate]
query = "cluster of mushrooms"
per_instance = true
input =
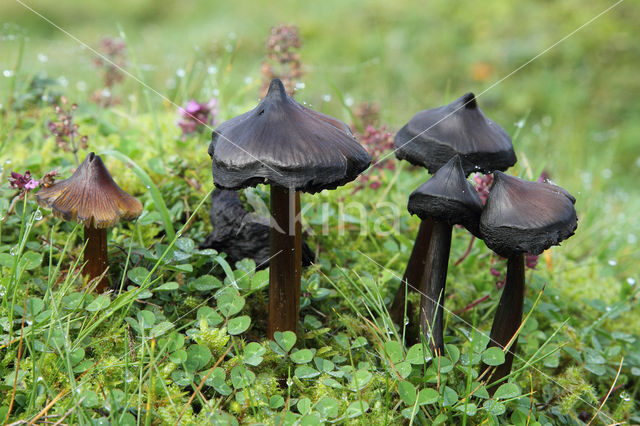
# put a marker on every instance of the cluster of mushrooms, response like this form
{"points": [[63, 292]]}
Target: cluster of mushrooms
{"points": [[295, 149]]}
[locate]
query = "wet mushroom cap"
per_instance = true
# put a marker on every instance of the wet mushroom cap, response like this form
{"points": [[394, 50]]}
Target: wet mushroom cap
{"points": [[448, 197], [90, 196], [435, 135], [284, 143], [526, 217]]}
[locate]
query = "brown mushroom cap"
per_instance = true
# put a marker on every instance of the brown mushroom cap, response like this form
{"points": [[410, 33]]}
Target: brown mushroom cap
{"points": [[526, 217], [90, 196]]}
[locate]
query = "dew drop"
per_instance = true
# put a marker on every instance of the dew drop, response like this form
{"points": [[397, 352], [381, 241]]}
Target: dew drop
{"points": [[212, 69], [37, 215], [7, 73], [326, 98], [612, 262], [148, 187], [631, 281], [12, 252], [406, 320], [181, 73], [42, 57], [248, 80], [289, 382]]}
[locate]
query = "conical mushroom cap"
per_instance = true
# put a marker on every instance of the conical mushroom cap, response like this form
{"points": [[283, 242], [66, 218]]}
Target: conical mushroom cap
{"points": [[526, 217], [448, 197], [90, 196], [435, 135], [284, 143]]}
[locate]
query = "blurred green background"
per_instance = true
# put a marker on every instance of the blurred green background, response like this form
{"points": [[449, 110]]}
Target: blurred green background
{"points": [[577, 104]]}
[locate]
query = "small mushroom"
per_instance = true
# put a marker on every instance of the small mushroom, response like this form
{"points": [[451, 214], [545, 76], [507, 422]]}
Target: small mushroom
{"points": [[241, 234], [429, 140], [521, 217], [91, 197], [292, 148], [448, 198]]}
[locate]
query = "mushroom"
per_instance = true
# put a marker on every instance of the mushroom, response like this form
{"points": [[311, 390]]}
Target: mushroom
{"points": [[448, 199], [91, 197], [429, 140], [241, 234], [521, 217], [292, 148]]}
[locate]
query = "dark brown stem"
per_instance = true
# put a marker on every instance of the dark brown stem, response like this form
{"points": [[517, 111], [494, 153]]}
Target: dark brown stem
{"points": [[285, 264], [433, 285], [95, 255], [508, 316], [413, 273]]}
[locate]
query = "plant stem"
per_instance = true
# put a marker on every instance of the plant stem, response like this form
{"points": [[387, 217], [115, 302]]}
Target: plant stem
{"points": [[285, 262], [508, 316], [413, 274], [432, 286], [95, 255]]}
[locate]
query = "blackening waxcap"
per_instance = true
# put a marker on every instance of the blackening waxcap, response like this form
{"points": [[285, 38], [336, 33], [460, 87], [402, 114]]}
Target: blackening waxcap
{"points": [[448, 197], [435, 135], [526, 217], [284, 143], [90, 196]]}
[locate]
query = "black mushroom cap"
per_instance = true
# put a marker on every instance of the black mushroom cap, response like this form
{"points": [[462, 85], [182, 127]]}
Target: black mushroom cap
{"points": [[526, 217], [284, 143], [448, 197], [435, 135]]}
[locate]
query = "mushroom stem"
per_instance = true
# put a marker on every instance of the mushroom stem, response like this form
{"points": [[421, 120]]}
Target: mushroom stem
{"points": [[95, 255], [285, 263], [413, 272], [432, 286], [508, 316]]}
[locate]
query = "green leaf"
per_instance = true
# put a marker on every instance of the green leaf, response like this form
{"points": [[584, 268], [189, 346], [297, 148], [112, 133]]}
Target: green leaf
{"points": [[306, 372], [161, 328], [450, 396], [404, 369], [76, 356], [469, 408], [138, 275], [146, 319], [304, 405], [7, 260], [253, 354], [218, 382], [276, 402], [198, 356], [494, 407], [428, 396], [493, 356], [394, 351], [178, 357], [30, 260], [99, 303], [415, 355], [285, 340], [185, 244], [360, 380], [407, 392], [507, 390], [171, 285], [89, 399], [230, 304], [302, 356], [212, 317], [356, 409], [323, 364], [327, 407], [241, 377], [260, 280], [238, 325], [205, 283], [332, 383]]}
